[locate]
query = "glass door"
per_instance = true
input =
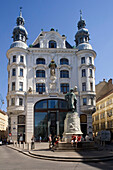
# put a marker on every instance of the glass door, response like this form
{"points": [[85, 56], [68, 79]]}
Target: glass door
{"points": [[53, 125]]}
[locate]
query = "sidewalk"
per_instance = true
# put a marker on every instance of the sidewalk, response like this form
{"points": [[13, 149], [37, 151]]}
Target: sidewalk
{"points": [[42, 152]]}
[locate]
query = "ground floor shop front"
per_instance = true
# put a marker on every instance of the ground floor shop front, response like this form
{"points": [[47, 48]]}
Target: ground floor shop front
{"points": [[45, 117]]}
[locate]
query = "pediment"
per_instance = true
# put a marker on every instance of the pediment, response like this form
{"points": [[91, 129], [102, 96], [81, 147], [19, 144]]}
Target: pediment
{"points": [[46, 36]]}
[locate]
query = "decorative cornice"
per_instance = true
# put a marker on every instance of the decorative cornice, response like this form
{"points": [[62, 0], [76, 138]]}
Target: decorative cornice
{"points": [[51, 50], [86, 51]]}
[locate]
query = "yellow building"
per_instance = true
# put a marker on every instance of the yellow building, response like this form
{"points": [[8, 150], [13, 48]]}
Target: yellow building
{"points": [[3, 121], [103, 117]]}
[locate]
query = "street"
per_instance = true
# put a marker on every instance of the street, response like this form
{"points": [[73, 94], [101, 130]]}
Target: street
{"points": [[13, 160]]}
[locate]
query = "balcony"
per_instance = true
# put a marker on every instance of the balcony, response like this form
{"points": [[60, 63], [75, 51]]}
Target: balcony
{"points": [[87, 108], [15, 109]]}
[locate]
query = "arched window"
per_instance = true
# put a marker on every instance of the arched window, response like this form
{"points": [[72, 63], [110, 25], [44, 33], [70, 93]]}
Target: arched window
{"points": [[64, 61], [64, 74], [40, 73], [49, 110], [52, 44], [40, 61], [83, 118]]}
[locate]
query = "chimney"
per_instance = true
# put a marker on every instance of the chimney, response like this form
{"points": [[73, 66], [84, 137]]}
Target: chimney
{"points": [[110, 81], [110, 85]]}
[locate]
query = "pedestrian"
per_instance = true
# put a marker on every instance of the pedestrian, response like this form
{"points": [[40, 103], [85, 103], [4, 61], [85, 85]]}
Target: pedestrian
{"points": [[21, 139], [40, 139], [87, 138], [50, 141], [72, 140], [32, 142]]}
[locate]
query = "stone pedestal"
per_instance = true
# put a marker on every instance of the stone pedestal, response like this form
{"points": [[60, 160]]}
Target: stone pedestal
{"points": [[71, 126]]}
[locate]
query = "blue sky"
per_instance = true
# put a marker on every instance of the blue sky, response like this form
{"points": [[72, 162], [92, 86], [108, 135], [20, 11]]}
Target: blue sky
{"points": [[62, 15]]}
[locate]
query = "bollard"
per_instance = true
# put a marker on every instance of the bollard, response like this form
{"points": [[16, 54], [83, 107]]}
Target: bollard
{"points": [[24, 145], [29, 146], [19, 144]]}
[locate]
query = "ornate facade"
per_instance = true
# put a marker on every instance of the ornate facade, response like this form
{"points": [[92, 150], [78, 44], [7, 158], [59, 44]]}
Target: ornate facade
{"points": [[40, 75]]}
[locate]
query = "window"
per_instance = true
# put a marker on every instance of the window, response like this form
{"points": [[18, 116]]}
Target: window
{"points": [[91, 101], [13, 72], [90, 73], [90, 60], [86, 39], [83, 73], [52, 44], [21, 72], [12, 101], [81, 40], [40, 87], [8, 87], [21, 59], [40, 73], [13, 86], [84, 86], [14, 58], [21, 119], [84, 101], [64, 74], [64, 87], [82, 60], [40, 61], [8, 74], [91, 86], [20, 101], [20, 86], [64, 61]]}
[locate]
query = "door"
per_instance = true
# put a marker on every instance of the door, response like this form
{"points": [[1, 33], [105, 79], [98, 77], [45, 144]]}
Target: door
{"points": [[53, 125]]}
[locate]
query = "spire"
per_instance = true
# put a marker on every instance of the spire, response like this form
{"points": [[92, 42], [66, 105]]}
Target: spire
{"points": [[82, 35], [19, 32], [20, 19], [20, 11], [81, 23], [80, 15]]}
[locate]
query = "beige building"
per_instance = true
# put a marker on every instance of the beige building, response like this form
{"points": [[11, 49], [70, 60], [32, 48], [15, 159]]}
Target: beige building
{"points": [[103, 117], [3, 124], [3, 121]]}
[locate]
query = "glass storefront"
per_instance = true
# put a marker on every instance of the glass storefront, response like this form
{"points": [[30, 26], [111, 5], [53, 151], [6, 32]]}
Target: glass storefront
{"points": [[49, 116]]}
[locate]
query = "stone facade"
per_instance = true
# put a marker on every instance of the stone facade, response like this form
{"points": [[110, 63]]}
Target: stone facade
{"points": [[28, 69]]}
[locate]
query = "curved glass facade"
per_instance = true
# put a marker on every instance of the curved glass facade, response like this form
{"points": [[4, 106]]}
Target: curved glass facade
{"points": [[49, 116]]}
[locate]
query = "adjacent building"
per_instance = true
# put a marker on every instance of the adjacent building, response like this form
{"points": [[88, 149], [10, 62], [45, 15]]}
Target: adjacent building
{"points": [[40, 75], [103, 117], [3, 124]]}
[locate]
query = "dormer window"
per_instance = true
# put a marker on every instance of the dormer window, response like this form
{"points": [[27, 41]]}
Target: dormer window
{"points": [[52, 44]]}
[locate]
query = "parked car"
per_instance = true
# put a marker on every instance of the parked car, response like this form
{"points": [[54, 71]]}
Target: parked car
{"points": [[0, 142]]}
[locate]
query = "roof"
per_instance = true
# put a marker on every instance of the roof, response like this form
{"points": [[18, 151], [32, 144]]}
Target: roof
{"points": [[3, 112]]}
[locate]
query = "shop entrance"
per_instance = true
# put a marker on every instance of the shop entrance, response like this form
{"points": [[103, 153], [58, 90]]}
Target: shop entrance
{"points": [[49, 116], [53, 125]]}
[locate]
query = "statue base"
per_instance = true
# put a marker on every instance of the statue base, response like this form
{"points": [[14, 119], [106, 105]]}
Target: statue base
{"points": [[71, 126]]}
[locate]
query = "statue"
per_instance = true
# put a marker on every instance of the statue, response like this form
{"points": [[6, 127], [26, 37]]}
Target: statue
{"points": [[52, 67], [71, 100]]}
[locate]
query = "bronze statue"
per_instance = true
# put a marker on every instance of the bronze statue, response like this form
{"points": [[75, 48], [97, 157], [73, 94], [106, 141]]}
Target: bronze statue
{"points": [[71, 101], [52, 67]]}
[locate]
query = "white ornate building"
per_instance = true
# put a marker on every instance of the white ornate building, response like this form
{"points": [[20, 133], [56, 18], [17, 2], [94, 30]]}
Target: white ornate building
{"points": [[35, 98]]}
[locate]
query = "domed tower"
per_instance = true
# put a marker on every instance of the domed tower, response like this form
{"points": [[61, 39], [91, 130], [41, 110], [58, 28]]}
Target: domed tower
{"points": [[17, 72], [19, 33], [86, 76]]}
